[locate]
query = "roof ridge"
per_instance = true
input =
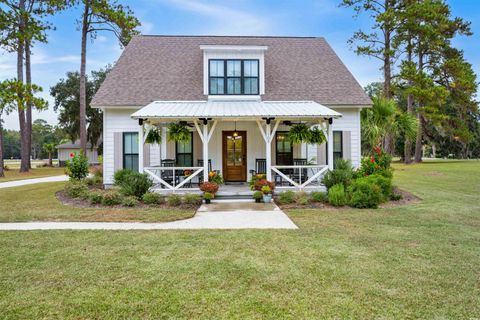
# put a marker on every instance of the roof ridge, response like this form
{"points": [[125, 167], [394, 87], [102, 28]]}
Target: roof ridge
{"points": [[226, 36]]}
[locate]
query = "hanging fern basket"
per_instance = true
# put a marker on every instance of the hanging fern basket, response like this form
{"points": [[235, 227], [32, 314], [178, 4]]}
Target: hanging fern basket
{"points": [[301, 133], [153, 136], [178, 132]]}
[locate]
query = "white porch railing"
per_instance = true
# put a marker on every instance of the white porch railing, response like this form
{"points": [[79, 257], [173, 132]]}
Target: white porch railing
{"points": [[174, 178], [300, 177]]}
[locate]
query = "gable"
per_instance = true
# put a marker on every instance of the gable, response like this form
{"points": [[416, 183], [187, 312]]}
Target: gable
{"points": [[170, 68]]}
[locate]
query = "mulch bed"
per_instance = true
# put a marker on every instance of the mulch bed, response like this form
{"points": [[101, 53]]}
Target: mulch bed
{"points": [[407, 198], [81, 203]]}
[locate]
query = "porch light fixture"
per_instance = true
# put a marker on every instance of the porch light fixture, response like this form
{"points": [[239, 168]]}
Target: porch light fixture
{"points": [[235, 133]]}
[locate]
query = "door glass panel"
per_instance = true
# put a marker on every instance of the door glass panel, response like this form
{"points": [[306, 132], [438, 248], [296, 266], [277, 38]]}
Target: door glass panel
{"points": [[234, 150]]}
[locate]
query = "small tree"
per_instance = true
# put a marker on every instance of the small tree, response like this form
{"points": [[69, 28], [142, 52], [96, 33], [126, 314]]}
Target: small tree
{"points": [[50, 149]]}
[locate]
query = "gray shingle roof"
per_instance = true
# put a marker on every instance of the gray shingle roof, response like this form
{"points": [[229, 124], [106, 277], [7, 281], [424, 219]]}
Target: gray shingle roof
{"points": [[171, 68]]}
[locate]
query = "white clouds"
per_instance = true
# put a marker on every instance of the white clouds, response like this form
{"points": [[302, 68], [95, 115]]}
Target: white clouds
{"points": [[223, 20]]}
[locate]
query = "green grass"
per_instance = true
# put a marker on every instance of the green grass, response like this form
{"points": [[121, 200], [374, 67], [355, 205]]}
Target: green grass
{"points": [[417, 261], [13, 174], [37, 202]]}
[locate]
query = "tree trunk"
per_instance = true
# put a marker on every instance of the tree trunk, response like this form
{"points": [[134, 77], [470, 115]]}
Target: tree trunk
{"points": [[50, 162], [407, 151], [28, 125], [83, 93], [2, 174], [24, 167], [419, 142]]}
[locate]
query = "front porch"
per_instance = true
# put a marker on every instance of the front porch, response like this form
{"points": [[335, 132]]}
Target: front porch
{"points": [[239, 139]]}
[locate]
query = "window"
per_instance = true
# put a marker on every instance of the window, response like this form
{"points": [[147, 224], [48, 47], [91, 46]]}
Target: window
{"points": [[337, 147], [184, 153], [233, 77], [130, 150], [284, 149]]}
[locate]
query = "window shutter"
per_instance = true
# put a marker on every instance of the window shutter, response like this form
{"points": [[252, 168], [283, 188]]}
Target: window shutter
{"points": [[117, 151], [347, 145], [146, 155]]}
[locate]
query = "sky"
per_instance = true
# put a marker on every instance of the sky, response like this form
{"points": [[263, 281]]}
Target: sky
{"points": [[51, 61]]}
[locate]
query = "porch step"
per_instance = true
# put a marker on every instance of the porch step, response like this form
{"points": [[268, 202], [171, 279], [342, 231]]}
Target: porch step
{"points": [[226, 196]]}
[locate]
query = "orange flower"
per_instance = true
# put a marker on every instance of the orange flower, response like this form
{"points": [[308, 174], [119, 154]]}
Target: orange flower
{"points": [[212, 174], [372, 160]]}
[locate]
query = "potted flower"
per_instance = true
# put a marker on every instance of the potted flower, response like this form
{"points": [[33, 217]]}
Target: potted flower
{"points": [[215, 178], [208, 197], [267, 194], [258, 196]]}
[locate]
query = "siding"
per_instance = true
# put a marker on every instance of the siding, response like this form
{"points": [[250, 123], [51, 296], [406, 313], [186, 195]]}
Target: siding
{"points": [[114, 120]]}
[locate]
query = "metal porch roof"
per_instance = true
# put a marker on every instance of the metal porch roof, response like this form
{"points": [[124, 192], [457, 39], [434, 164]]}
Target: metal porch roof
{"points": [[234, 109]]}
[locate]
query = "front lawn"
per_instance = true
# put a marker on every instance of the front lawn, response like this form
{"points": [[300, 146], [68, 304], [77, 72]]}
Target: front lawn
{"points": [[37, 202], [417, 261], [13, 174]]}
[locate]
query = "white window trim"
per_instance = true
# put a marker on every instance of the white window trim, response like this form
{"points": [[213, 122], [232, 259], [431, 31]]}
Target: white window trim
{"points": [[233, 52]]}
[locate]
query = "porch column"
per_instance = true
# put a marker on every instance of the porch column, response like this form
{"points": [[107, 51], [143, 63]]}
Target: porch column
{"points": [[205, 151], [163, 145], [268, 151], [330, 144], [141, 141]]}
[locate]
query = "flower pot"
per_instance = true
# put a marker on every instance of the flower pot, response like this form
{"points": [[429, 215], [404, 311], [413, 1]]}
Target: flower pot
{"points": [[267, 198], [258, 200], [207, 201]]}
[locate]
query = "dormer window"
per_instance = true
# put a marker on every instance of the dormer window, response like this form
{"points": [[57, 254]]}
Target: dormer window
{"points": [[233, 76]]}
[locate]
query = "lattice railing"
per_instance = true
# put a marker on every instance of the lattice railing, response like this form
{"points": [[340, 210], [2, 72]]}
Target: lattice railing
{"points": [[299, 177], [175, 178]]}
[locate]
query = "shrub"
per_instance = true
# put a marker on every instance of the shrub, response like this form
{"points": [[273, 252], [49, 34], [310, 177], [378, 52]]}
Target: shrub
{"points": [[111, 198], [76, 188], [97, 171], [260, 183], [208, 196], [343, 173], [378, 163], [337, 196], [192, 199], [215, 178], [136, 184], [286, 197], [317, 196], [153, 198], [129, 201], [77, 166], [302, 199], [95, 197], [266, 190], [257, 195], [120, 176], [396, 197], [210, 187], [174, 200], [94, 180], [364, 193], [383, 182]]}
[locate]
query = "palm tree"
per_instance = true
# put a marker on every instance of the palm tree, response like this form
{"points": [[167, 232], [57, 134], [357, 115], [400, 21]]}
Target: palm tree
{"points": [[384, 122], [50, 149]]}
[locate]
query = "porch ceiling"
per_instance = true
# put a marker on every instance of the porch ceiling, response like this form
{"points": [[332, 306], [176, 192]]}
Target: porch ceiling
{"points": [[244, 110]]}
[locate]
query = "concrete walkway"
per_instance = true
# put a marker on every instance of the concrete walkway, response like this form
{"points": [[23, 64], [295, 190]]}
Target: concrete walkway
{"points": [[220, 215], [18, 183]]}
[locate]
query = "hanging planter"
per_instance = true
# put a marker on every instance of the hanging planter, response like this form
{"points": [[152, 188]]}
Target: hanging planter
{"points": [[317, 136], [178, 132], [299, 133], [154, 136]]}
